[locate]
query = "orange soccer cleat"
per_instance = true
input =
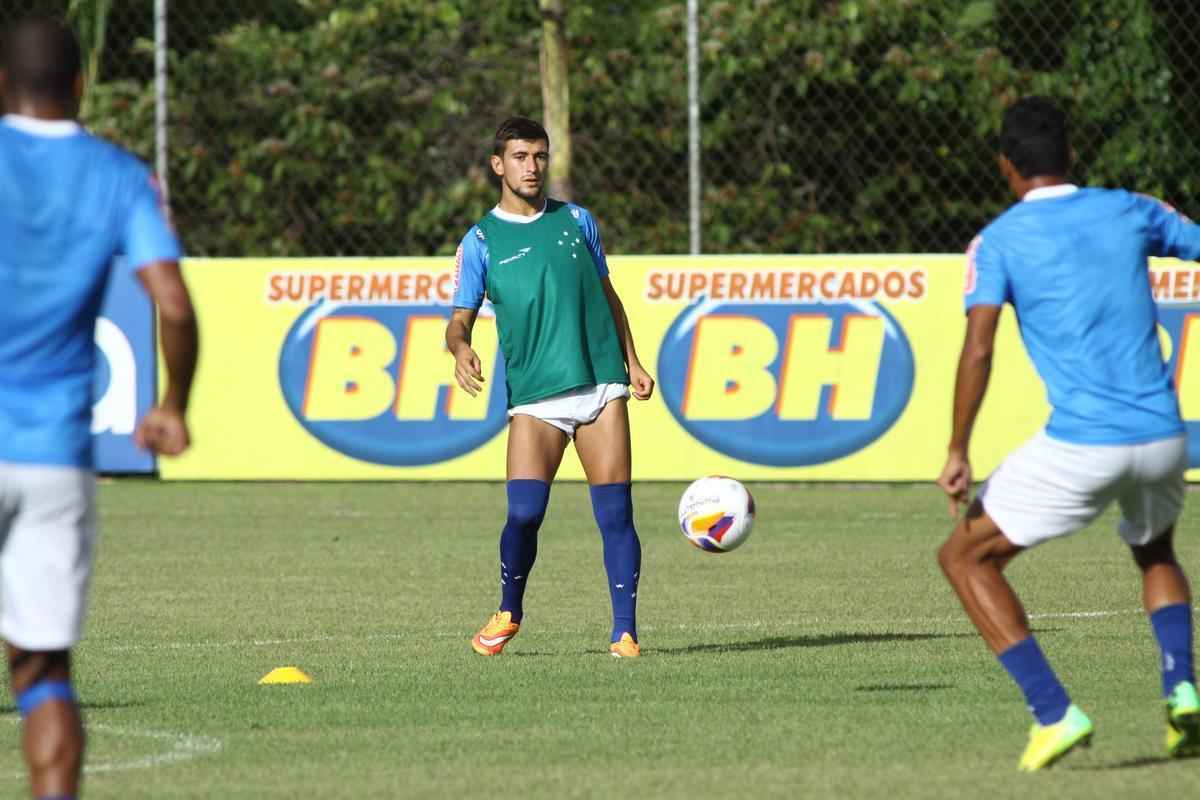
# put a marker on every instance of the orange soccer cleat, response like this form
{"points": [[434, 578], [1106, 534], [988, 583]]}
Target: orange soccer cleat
{"points": [[495, 634], [625, 647]]}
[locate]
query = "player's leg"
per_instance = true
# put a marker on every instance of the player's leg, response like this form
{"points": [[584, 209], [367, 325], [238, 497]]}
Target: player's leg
{"points": [[973, 559], [1149, 511], [52, 736], [45, 567], [535, 450], [605, 453], [1044, 490], [1167, 599]]}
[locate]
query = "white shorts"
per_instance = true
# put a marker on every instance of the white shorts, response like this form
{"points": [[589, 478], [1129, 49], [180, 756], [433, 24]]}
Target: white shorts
{"points": [[47, 538], [570, 409], [1048, 488]]}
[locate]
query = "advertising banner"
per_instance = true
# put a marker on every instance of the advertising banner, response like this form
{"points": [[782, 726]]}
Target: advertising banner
{"points": [[829, 368], [124, 384]]}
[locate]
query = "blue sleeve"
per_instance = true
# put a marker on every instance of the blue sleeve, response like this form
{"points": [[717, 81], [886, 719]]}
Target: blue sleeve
{"points": [[147, 235], [591, 236], [1171, 233], [470, 270], [987, 282]]}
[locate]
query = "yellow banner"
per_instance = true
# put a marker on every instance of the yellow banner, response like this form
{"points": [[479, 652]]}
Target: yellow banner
{"points": [[768, 368]]}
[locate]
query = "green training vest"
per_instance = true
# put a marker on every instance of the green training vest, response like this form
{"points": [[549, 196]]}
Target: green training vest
{"points": [[555, 325]]}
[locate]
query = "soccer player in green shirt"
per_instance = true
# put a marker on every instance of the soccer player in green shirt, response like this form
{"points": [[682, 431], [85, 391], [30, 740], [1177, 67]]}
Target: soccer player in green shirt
{"points": [[570, 366]]}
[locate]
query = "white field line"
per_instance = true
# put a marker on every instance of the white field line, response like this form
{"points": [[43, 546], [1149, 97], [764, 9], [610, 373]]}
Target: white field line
{"points": [[890, 624], [1086, 614], [180, 747]]}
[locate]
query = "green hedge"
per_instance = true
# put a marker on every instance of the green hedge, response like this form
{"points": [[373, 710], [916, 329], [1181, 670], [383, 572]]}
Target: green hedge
{"points": [[867, 125]]}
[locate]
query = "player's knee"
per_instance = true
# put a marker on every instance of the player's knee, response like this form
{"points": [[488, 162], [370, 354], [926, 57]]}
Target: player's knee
{"points": [[947, 557], [30, 667], [615, 521], [1159, 551], [527, 501], [612, 506], [955, 555], [526, 517]]}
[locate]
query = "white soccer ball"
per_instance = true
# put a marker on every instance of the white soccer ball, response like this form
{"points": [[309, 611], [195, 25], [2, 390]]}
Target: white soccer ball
{"points": [[716, 514]]}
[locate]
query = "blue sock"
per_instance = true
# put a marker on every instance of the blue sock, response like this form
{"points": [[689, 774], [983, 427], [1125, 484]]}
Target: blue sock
{"points": [[1044, 695], [612, 505], [43, 692], [527, 501], [1173, 629]]}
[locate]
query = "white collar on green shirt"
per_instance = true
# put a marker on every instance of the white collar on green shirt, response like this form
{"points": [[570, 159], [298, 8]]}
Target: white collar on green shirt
{"points": [[508, 216]]}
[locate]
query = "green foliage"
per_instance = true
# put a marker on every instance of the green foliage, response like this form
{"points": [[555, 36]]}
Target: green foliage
{"points": [[322, 127], [90, 20]]}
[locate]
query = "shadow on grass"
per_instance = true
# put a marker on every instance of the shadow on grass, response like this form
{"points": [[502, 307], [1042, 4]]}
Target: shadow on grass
{"points": [[821, 640], [1131, 763], [787, 642], [9, 708]]}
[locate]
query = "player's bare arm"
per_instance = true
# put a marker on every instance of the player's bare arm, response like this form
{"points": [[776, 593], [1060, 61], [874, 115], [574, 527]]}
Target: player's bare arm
{"points": [[164, 428], [974, 370], [468, 370], [641, 385]]}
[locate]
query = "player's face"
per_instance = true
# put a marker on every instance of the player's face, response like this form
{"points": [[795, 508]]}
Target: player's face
{"points": [[523, 167]]}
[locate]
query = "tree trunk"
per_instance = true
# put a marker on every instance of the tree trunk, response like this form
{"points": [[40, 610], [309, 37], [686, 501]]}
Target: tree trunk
{"points": [[556, 100], [89, 18]]}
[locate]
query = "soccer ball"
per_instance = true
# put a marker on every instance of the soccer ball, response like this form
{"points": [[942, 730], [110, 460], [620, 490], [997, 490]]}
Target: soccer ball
{"points": [[716, 514]]}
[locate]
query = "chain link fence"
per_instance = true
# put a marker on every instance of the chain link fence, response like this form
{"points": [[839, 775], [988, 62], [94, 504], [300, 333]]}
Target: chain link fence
{"points": [[316, 128]]}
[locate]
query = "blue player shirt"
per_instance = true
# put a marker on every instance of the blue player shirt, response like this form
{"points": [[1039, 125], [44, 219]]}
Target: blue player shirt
{"points": [[1072, 262], [470, 268], [69, 203]]}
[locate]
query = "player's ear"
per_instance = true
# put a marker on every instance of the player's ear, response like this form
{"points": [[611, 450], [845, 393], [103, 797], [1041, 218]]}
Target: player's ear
{"points": [[498, 165], [1007, 169], [77, 92]]}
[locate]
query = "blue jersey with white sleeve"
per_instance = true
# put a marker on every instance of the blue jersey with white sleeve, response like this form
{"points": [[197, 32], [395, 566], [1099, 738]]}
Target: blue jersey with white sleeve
{"points": [[1072, 262], [471, 261], [69, 203]]}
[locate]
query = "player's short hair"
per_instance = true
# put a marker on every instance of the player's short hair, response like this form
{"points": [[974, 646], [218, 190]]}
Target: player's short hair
{"points": [[518, 128], [1034, 138], [41, 57]]}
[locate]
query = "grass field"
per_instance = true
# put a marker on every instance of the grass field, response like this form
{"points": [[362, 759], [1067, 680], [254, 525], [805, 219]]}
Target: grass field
{"points": [[826, 658]]}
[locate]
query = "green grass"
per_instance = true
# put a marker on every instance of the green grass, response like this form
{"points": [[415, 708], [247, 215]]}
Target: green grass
{"points": [[826, 658]]}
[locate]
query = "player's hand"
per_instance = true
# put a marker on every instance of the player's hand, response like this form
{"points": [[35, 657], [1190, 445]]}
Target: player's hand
{"points": [[468, 370], [163, 431], [641, 385], [955, 480]]}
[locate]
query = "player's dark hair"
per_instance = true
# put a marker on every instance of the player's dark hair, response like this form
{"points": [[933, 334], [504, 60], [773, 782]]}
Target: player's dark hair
{"points": [[41, 58], [1034, 137], [518, 128]]}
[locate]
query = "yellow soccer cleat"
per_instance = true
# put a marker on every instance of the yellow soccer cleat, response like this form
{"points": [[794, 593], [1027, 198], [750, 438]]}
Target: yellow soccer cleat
{"points": [[495, 634], [1049, 743], [625, 647], [1183, 721]]}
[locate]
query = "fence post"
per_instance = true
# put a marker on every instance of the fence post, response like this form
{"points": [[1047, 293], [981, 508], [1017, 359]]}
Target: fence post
{"points": [[693, 47], [160, 96]]}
